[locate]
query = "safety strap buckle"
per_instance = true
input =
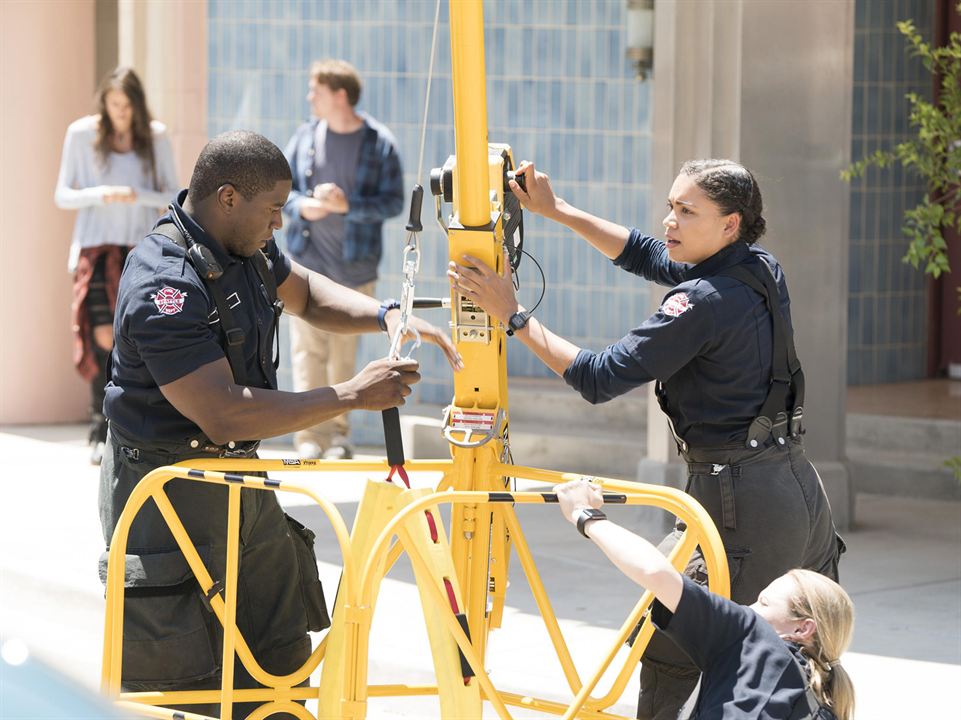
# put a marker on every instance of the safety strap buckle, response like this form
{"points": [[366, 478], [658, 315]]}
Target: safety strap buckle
{"points": [[208, 596], [235, 336], [795, 424], [759, 432], [132, 454]]}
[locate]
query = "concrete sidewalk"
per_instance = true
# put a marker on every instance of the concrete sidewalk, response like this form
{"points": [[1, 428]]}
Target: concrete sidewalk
{"points": [[903, 569]]}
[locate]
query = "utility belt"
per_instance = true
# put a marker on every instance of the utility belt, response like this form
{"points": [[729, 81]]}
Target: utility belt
{"points": [[197, 446]]}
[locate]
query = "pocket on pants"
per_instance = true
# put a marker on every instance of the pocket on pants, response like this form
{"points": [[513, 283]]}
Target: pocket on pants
{"points": [[315, 605], [168, 634]]}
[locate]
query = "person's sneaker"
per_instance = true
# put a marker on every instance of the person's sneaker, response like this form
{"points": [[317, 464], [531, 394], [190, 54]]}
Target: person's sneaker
{"points": [[96, 452], [342, 451], [310, 451]]}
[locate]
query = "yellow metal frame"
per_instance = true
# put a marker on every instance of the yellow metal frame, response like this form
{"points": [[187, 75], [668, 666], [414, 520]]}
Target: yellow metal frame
{"points": [[361, 577], [484, 527]]}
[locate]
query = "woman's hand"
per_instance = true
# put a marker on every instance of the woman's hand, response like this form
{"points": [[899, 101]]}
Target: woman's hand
{"points": [[479, 282], [428, 333], [577, 495], [539, 197]]}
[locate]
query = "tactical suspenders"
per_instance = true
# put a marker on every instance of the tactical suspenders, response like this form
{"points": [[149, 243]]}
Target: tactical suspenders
{"points": [[233, 335], [775, 420], [786, 374]]}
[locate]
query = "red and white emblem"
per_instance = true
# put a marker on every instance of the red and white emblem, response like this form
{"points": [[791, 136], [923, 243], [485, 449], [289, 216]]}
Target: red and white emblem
{"points": [[169, 301], [676, 304]]}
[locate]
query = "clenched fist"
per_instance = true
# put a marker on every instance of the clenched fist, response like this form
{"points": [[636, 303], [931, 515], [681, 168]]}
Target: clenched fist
{"points": [[383, 384]]}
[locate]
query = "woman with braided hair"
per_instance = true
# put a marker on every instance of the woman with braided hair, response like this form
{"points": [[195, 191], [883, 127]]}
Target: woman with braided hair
{"points": [[779, 659], [721, 351]]}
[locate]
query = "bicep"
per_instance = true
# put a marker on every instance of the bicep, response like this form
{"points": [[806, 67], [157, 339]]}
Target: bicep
{"points": [[295, 290], [202, 394]]}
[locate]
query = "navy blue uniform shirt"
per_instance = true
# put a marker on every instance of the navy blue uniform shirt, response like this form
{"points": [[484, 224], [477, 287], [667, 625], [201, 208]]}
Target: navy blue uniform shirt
{"points": [[749, 672], [166, 326], [709, 343]]}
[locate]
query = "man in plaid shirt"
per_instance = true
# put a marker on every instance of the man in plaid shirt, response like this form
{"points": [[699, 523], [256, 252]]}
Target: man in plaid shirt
{"points": [[347, 180]]}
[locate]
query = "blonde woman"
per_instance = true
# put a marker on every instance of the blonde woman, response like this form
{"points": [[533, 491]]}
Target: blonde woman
{"points": [[118, 171], [778, 659]]}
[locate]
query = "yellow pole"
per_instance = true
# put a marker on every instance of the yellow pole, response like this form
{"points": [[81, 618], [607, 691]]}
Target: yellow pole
{"points": [[470, 111]]}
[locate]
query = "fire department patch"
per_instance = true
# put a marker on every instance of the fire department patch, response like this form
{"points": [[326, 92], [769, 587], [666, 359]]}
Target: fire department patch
{"points": [[676, 304], [169, 301]]}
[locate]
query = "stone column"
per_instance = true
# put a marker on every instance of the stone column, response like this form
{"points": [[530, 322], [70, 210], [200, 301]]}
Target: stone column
{"points": [[47, 81], [768, 82], [797, 70], [165, 41]]}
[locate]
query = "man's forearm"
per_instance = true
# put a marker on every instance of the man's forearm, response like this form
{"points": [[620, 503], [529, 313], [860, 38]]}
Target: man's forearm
{"points": [[339, 309]]}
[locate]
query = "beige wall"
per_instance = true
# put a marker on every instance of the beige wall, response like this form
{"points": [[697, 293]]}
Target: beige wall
{"points": [[165, 41], [49, 61], [47, 71]]}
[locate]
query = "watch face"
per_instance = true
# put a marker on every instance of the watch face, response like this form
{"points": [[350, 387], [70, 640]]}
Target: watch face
{"points": [[517, 321]]}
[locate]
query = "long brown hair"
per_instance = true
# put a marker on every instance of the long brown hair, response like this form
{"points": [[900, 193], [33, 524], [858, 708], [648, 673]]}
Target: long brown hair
{"points": [[825, 602], [126, 81]]}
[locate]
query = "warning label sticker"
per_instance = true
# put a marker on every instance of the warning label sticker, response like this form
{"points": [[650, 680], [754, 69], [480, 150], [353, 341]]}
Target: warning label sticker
{"points": [[471, 420]]}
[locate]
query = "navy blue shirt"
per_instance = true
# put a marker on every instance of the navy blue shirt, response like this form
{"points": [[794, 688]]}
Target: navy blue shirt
{"points": [[709, 343], [748, 671], [166, 326]]}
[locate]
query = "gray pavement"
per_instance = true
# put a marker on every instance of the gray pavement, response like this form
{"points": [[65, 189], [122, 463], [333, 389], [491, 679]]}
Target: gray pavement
{"points": [[903, 570]]}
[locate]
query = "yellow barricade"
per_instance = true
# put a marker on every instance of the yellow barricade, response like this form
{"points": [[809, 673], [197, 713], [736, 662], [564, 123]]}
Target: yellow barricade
{"points": [[385, 513]]}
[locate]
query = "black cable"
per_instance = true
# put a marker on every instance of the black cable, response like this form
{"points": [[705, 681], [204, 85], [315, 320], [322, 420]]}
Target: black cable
{"points": [[543, 282]]}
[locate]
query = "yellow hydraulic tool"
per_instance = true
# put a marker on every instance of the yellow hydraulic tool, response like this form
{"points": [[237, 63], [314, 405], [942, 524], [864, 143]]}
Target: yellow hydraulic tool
{"points": [[462, 585]]}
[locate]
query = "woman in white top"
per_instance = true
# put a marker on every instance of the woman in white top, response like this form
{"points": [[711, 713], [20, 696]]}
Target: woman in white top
{"points": [[118, 171]]}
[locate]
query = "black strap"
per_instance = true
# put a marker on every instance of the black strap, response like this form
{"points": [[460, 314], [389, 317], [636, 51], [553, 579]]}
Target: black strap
{"points": [[233, 334], [265, 272], [786, 374]]}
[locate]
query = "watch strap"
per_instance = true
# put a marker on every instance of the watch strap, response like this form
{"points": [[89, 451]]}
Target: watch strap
{"points": [[586, 516], [385, 307]]}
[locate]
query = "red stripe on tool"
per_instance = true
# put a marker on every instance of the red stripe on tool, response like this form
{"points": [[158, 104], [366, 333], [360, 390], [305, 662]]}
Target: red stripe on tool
{"points": [[453, 606], [401, 473], [433, 528]]}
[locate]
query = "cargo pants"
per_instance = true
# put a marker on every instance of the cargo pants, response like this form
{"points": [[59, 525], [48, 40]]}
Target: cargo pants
{"points": [[773, 516], [172, 639]]}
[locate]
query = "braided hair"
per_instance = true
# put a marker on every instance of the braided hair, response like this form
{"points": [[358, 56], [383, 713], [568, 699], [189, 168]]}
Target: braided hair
{"points": [[731, 187]]}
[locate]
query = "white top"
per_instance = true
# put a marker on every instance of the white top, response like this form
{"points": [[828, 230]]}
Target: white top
{"points": [[83, 181]]}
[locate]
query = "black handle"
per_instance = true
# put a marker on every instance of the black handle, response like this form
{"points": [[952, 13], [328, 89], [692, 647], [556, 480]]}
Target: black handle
{"points": [[392, 437], [424, 303], [519, 178], [416, 201]]}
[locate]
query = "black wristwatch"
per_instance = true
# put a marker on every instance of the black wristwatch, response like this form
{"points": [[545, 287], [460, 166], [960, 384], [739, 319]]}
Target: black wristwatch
{"points": [[385, 307], [517, 321], [586, 516]]}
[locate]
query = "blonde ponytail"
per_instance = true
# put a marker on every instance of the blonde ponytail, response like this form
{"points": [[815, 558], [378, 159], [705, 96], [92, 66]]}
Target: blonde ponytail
{"points": [[826, 602]]}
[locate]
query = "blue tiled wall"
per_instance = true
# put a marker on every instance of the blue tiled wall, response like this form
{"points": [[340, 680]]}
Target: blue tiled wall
{"points": [[559, 91], [887, 298]]}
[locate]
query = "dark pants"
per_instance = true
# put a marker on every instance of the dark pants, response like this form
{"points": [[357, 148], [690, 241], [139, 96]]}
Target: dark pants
{"points": [[171, 640], [772, 514], [97, 307]]}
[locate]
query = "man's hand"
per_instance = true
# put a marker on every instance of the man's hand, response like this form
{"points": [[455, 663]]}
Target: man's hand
{"points": [[479, 282], [332, 197], [577, 495], [428, 333], [539, 197], [382, 384], [312, 209]]}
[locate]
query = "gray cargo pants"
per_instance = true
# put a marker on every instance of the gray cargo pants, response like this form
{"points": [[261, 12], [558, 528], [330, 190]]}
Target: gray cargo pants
{"points": [[772, 514], [172, 640]]}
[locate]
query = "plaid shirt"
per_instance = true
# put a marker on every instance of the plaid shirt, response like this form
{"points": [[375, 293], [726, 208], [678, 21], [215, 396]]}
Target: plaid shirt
{"points": [[378, 192]]}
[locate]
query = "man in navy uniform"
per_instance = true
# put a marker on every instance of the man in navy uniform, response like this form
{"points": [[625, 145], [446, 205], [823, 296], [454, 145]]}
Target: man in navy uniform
{"points": [[194, 376]]}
